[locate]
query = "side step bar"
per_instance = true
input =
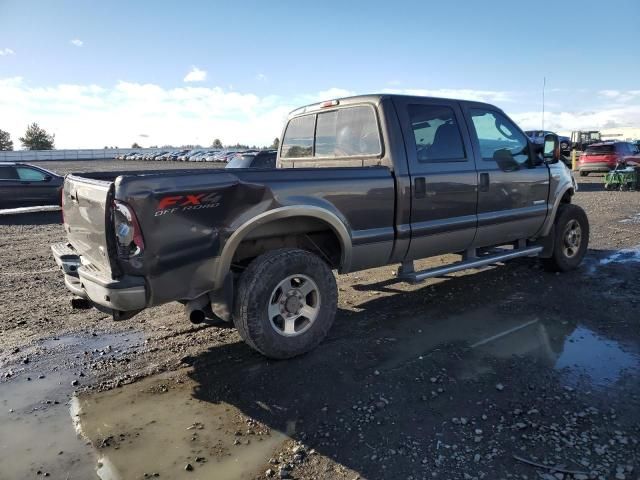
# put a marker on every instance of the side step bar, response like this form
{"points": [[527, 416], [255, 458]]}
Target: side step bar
{"points": [[407, 273]]}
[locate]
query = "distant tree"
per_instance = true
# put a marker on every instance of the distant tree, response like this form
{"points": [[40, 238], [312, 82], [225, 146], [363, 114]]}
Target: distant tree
{"points": [[5, 141], [37, 138], [217, 143], [135, 145], [276, 143]]}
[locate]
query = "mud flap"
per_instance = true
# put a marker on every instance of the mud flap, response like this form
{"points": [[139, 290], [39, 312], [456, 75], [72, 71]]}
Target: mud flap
{"points": [[222, 299], [547, 243]]}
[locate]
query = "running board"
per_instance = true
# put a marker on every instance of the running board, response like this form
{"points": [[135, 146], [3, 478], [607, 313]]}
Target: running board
{"points": [[407, 274]]}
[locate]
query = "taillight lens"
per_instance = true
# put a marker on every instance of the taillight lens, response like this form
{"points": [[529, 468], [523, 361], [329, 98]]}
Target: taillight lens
{"points": [[127, 229]]}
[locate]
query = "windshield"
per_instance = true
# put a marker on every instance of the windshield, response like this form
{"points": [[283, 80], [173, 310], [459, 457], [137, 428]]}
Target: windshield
{"points": [[600, 149]]}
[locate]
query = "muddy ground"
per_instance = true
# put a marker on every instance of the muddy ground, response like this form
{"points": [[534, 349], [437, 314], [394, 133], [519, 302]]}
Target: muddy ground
{"points": [[502, 372]]}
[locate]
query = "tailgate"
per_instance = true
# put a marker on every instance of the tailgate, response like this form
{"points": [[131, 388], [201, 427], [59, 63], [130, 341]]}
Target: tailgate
{"points": [[85, 207]]}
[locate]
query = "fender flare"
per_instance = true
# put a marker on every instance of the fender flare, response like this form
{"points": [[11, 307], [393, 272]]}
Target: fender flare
{"points": [[546, 228], [230, 247]]}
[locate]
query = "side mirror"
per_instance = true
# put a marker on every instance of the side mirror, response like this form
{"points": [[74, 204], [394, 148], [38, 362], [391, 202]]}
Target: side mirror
{"points": [[551, 151]]}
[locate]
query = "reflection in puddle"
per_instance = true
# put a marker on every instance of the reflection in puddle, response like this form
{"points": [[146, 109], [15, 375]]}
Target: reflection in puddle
{"points": [[156, 426], [37, 435], [35, 431], [579, 353], [602, 360]]}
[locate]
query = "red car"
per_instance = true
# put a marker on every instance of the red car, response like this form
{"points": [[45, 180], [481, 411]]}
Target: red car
{"points": [[603, 157]]}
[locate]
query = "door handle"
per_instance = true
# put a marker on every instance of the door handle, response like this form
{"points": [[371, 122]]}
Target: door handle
{"points": [[420, 187], [484, 182]]}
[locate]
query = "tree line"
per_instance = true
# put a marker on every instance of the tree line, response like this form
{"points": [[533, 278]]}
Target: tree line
{"points": [[37, 138]]}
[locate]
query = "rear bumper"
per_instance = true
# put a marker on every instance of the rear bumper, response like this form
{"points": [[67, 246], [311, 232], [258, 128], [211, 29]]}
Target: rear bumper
{"points": [[127, 293]]}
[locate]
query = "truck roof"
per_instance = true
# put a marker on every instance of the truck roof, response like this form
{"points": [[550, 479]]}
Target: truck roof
{"points": [[374, 98]]}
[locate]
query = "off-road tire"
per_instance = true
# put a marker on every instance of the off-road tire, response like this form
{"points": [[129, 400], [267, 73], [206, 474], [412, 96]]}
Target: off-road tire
{"points": [[254, 292], [560, 261]]}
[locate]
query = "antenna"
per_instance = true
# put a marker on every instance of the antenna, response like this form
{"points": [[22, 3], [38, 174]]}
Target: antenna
{"points": [[544, 84]]}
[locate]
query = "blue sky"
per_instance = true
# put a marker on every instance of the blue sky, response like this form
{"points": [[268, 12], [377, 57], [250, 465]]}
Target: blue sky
{"points": [[125, 65]]}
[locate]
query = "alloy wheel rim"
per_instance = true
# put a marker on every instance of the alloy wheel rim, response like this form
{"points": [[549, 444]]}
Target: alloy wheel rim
{"points": [[294, 305], [572, 238]]}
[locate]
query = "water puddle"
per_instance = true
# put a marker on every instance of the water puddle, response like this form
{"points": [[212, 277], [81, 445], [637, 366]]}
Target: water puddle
{"points": [[575, 351], [635, 219], [602, 360], [157, 426], [622, 256], [36, 434]]}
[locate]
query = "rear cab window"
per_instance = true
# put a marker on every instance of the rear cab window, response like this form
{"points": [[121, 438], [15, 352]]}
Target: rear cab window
{"points": [[600, 150], [346, 132]]}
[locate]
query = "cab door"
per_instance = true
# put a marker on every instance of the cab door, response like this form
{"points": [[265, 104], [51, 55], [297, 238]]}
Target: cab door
{"points": [[443, 176], [513, 183]]}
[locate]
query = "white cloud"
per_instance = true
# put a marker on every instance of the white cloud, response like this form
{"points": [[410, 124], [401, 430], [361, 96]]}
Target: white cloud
{"points": [[5, 52], [195, 75], [620, 96], [77, 42], [261, 76], [89, 116]]}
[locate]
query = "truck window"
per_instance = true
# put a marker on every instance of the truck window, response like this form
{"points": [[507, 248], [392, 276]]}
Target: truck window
{"points": [[499, 137], [347, 132], [436, 134], [298, 138]]}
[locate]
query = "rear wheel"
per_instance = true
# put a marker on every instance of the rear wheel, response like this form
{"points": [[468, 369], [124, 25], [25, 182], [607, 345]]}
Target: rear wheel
{"points": [[571, 239], [286, 303]]}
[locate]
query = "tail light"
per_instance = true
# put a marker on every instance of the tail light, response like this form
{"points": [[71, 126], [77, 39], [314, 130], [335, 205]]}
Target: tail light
{"points": [[127, 229]]}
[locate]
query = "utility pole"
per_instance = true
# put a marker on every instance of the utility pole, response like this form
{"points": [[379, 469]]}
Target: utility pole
{"points": [[544, 84]]}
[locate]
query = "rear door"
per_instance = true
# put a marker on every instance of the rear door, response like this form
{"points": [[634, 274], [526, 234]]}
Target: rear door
{"points": [[443, 176], [513, 185], [9, 186], [37, 187]]}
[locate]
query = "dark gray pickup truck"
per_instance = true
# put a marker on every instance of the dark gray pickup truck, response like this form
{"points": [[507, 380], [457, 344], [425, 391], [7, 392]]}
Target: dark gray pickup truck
{"points": [[361, 182]]}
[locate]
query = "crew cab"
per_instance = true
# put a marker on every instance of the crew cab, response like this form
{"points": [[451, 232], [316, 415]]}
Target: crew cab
{"points": [[360, 182]]}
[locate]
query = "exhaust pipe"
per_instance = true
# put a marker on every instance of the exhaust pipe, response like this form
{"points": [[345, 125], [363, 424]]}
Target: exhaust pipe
{"points": [[197, 309]]}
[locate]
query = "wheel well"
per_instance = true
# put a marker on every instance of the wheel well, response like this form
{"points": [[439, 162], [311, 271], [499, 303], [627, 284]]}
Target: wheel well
{"points": [[306, 233], [566, 198]]}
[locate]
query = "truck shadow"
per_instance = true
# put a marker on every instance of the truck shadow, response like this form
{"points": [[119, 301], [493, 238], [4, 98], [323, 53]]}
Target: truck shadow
{"points": [[375, 351]]}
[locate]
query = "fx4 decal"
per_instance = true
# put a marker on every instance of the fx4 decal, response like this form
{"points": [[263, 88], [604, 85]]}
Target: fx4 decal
{"points": [[182, 203]]}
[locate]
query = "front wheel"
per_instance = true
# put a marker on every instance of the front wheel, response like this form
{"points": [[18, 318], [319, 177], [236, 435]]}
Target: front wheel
{"points": [[286, 303], [571, 239]]}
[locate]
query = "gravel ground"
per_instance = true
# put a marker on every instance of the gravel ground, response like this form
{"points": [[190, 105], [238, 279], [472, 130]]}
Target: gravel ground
{"points": [[505, 372]]}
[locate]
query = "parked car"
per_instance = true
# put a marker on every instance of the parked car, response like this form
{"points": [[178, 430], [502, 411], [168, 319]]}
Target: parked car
{"points": [[367, 181], [23, 185], [604, 156], [263, 159], [537, 137]]}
